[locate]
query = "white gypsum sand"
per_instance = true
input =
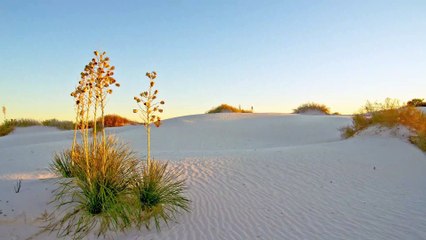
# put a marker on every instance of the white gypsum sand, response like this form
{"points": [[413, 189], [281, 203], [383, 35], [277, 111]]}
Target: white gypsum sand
{"points": [[250, 176]]}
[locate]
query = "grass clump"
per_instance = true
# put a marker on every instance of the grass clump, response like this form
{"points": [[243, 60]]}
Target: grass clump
{"points": [[62, 164], [62, 125], [312, 107], [99, 194], [161, 194], [6, 128], [224, 108], [390, 114]]}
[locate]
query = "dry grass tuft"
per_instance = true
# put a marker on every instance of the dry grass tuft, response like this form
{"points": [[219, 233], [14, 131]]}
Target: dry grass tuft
{"points": [[311, 107], [224, 108], [390, 114]]}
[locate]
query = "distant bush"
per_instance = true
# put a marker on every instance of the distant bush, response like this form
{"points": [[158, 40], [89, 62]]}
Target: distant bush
{"points": [[416, 102], [113, 120], [312, 107], [6, 128], [25, 122], [63, 125], [223, 108], [389, 114]]}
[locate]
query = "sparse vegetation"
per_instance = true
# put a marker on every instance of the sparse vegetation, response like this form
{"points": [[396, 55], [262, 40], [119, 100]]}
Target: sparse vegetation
{"points": [[113, 120], [18, 185], [103, 187], [312, 108], [389, 114], [160, 192], [224, 108], [6, 128], [62, 125], [97, 200], [417, 102], [149, 111]]}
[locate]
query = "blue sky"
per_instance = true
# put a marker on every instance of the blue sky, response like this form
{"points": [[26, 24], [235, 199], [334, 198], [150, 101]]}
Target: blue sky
{"points": [[272, 55]]}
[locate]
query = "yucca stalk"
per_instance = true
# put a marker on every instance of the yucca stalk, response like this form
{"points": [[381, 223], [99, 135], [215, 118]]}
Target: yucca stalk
{"points": [[148, 111], [4, 113]]}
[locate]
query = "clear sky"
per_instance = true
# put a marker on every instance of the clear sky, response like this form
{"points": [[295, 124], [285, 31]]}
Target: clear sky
{"points": [[273, 55]]}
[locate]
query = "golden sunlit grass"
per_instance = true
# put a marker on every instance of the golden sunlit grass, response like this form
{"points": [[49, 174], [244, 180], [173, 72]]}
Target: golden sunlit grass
{"points": [[9, 125], [224, 108], [312, 107], [390, 114]]}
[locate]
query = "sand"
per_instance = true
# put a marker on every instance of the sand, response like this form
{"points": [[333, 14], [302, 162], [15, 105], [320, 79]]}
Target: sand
{"points": [[250, 176]]}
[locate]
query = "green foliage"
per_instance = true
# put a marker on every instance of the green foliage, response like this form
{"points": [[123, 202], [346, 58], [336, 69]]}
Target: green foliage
{"points": [[160, 193], [228, 108], [62, 125], [62, 164], [306, 107], [100, 196]]}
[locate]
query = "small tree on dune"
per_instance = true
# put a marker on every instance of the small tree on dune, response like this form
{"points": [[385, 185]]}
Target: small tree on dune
{"points": [[148, 110]]}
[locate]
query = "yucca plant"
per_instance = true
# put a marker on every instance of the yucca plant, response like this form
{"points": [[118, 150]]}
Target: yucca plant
{"points": [[161, 193], [98, 196], [106, 202], [160, 190], [148, 110], [62, 164]]}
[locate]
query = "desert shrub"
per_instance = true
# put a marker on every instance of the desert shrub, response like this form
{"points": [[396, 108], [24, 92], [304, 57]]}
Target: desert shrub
{"points": [[389, 114], [228, 108], [6, 127], [9, 125], [113, 120], [416, 102], [308, 107], [100, 194], [62, 125], [161, 194]]}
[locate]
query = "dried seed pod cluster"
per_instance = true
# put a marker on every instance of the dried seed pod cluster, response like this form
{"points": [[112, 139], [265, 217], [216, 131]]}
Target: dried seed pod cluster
{"points": [[149, 110], [90, 96], [148, 107]]}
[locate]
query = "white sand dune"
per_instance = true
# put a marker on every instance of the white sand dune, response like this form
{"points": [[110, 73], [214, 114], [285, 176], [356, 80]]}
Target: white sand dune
{"points": [[250, 176]]}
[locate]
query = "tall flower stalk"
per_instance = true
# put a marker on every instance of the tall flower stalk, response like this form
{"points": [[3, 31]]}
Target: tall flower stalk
{"points": [[148, 111], [4, 112], [90, 99]]}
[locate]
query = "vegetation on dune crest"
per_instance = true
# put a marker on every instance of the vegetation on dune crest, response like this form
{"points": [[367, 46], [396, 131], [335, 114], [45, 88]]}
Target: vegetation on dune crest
{"points": [[312, 107], [114, 120], [417, 102], [390, 114], [223, 108]]}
